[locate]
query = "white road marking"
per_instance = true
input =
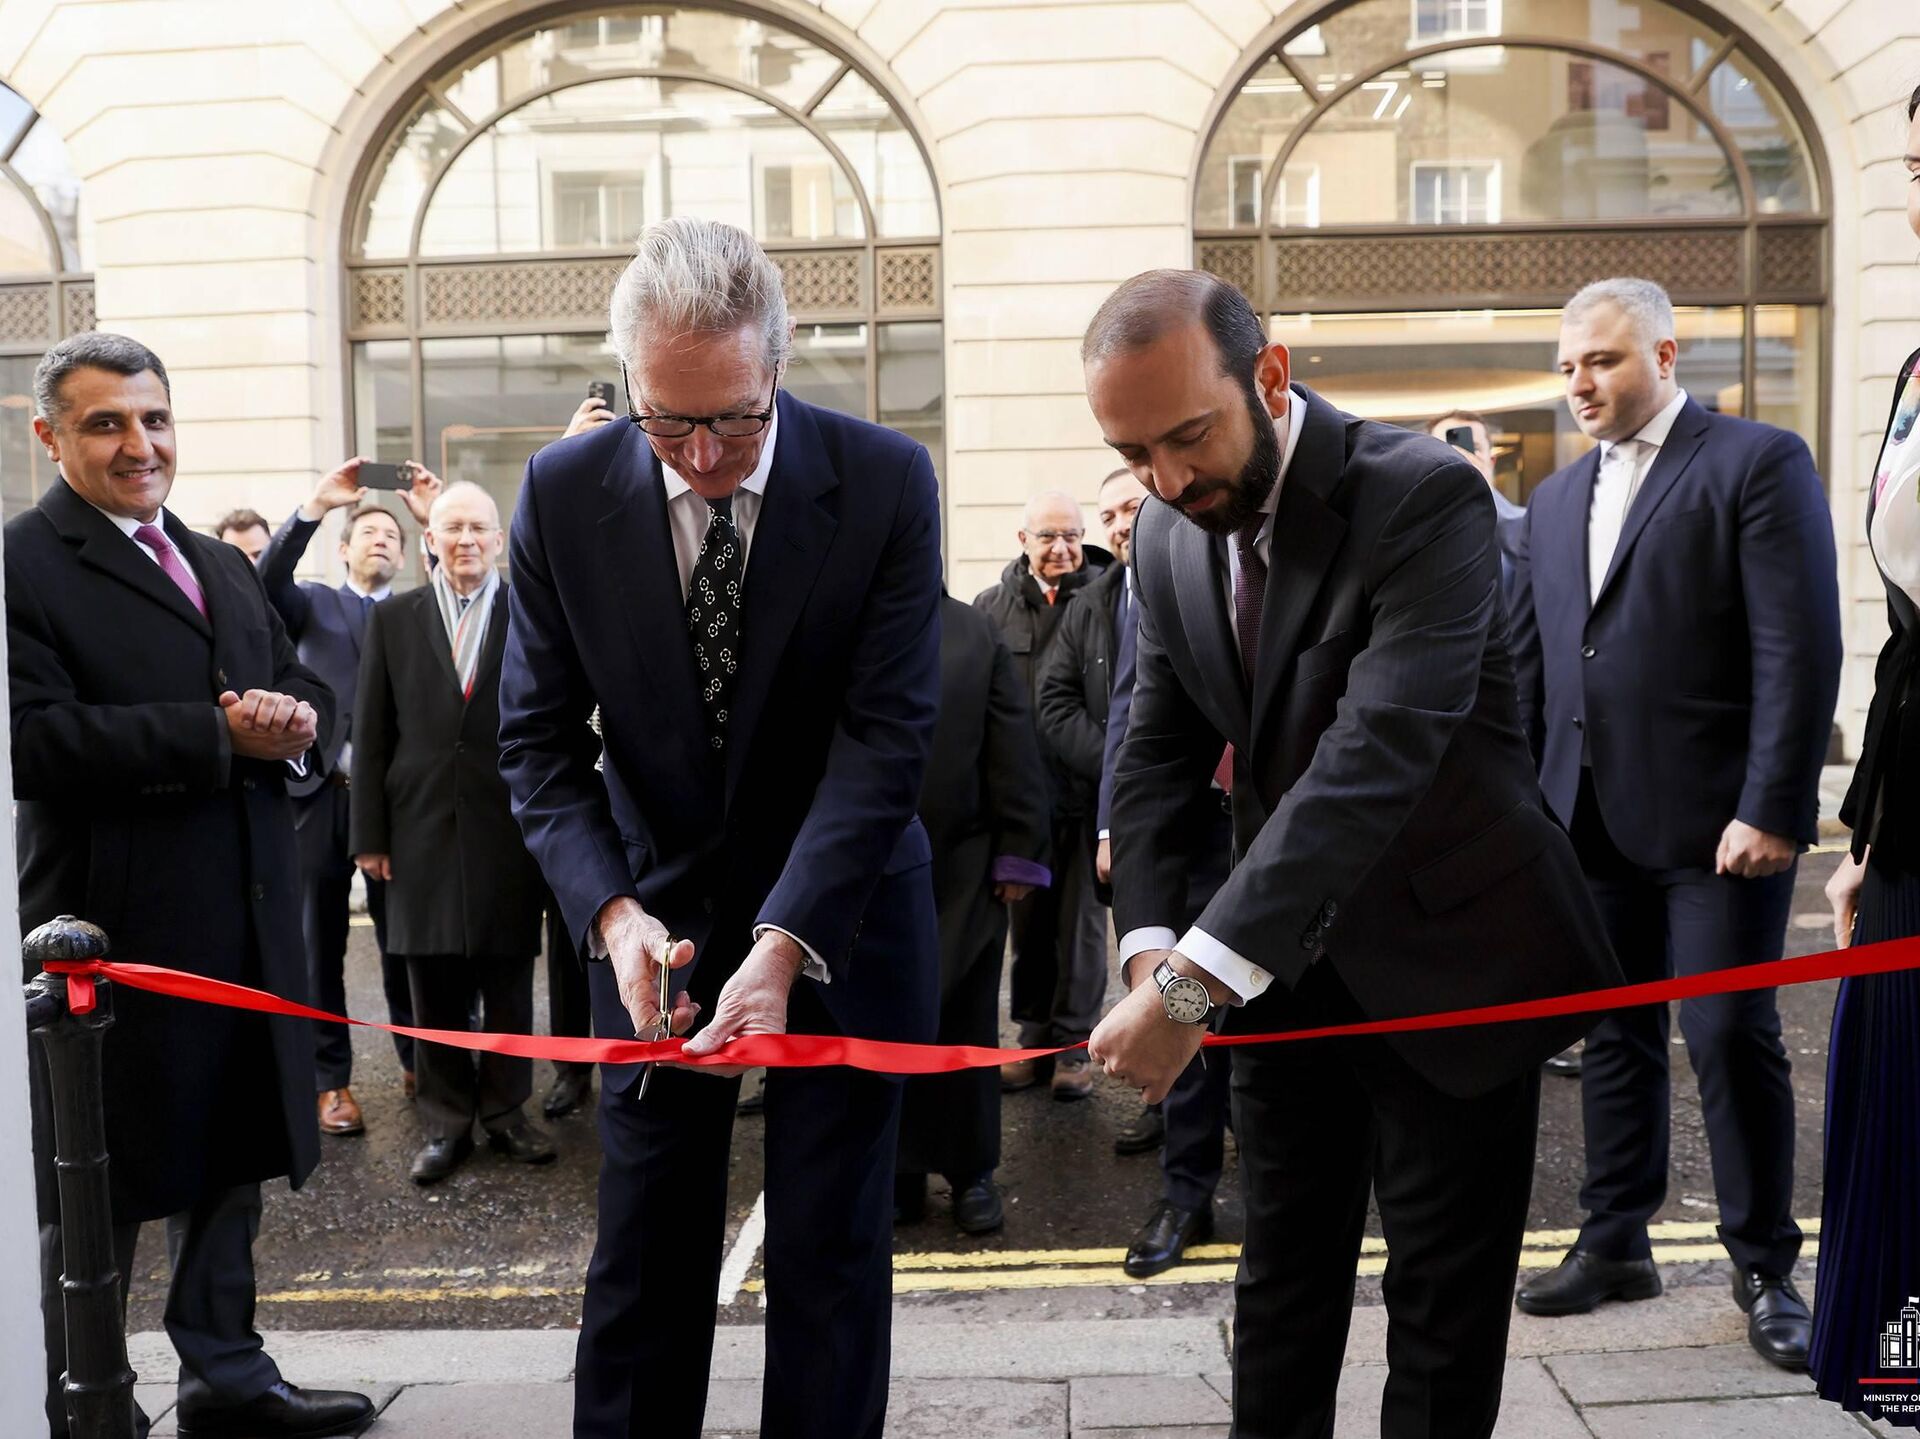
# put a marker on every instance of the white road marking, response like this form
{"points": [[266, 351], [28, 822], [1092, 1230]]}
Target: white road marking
{"points": [[746, 1247]]}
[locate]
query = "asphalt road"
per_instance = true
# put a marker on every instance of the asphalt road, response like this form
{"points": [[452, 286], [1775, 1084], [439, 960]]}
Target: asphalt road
{"points": [[503, 1246]]}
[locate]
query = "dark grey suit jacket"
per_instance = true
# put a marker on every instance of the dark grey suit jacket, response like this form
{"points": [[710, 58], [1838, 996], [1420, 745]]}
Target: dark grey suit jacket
{"points": [[1386, 816]]}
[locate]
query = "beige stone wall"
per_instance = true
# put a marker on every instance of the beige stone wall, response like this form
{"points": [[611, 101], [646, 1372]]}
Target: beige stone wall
{"points": [[217, 140]]}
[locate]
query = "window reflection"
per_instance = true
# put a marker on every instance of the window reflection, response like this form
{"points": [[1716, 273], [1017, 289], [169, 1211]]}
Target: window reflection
{"points": [[25, 470]]}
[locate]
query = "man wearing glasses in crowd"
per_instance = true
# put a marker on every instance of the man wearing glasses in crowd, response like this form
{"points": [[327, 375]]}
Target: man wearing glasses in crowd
{"points": [[749, 589], [1059, 934]]}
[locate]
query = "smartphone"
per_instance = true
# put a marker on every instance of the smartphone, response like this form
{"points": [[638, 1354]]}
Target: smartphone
{"points": [[1461, 438], [601, 389], [377, 476]]}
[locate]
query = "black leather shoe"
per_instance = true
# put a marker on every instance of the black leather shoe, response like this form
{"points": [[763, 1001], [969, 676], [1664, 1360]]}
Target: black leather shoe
{"points": [[1566, 1063], [977, 1208], [1582, 1281], [1144, 1135], [440, 1157], [285, 1411], [522, 1143], [909, 1198], [570, 1090], [1779, 1325], [1165, 1237]]}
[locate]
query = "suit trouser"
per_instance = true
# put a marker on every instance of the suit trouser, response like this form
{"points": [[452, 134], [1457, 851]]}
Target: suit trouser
{"points": [[1320, 1123], [950, 1123], [1680, 922], [458, 1086], [1195, 1109], [210, 1300], [569, 1009], [326, 880], [1060, 945], [646, 1329]]}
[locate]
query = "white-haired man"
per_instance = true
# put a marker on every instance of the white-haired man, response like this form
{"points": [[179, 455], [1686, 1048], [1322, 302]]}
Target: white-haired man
{"points": [[430, 818], [749, 589], [1059, 934], [1676, 635]]}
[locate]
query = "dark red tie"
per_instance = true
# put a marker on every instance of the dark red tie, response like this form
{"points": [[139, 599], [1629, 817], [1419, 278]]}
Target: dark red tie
{"points": [[1249, 591]]}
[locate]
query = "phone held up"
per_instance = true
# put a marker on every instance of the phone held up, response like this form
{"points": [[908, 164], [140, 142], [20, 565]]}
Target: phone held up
{"points": [[377, 476], [1461, 438], [601, 390]]}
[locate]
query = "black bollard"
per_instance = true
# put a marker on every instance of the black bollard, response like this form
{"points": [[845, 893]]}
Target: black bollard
{"points": [[98, 1383]]}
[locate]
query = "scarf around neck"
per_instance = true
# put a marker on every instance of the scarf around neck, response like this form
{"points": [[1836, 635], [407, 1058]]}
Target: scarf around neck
{"points": [[466, 632]]}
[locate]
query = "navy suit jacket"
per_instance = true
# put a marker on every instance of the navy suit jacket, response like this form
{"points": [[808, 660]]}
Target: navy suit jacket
{"points": [[327, 624], [808, 823], [1126, 630], [1702, 682]]}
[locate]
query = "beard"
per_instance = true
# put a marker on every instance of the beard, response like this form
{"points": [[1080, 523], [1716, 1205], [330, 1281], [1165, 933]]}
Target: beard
{"points": [[1246, 492]]}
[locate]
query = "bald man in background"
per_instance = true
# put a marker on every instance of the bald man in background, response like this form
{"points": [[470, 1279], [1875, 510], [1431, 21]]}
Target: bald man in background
{"points": [[1060, 933]]}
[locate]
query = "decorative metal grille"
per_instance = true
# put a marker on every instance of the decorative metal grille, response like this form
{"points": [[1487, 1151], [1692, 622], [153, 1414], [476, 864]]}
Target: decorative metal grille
{"points": [[909, 280], [1421, 270], [26, 314], [823, 282], [78, 302], [379, 299], [1235, 261], [1790, 263], [557, 293]]}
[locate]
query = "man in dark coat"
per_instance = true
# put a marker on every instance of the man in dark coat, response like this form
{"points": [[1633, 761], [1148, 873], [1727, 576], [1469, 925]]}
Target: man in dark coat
{"points": [[985, 808], [432, 820], [1059, 933], [328, 624], [1676, 632], [1322, 592], [156, 706]]}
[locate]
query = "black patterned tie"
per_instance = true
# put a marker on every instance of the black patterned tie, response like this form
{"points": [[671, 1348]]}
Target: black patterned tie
{"points": [[1249, 592], [713, 616]]}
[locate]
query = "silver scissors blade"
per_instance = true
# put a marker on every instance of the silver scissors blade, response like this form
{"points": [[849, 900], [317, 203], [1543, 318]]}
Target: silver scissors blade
{"points": [[663, 1029]]}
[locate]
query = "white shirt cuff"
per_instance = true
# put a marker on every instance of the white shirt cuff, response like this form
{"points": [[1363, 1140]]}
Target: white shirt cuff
{"points": [[814, 968], [1236, 972], [298, 766], [1104, 834]]}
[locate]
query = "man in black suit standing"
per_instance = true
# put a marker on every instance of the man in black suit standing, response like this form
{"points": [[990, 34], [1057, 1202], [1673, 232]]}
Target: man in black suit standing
{"points": [[1676, 624], [328, 624], [748, 587], [432, 821], [156, 707], [1321, 591]]}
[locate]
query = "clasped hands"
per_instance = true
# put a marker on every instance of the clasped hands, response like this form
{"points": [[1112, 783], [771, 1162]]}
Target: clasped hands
{"points": [[262, 724], [753, 1001], [1137, 1043]]}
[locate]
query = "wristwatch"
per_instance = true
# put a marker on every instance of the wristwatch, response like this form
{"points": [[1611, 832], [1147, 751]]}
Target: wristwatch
{"points": [[1185, 1000]]}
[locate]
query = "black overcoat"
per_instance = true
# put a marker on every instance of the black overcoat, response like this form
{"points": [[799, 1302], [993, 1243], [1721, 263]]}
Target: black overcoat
{"points": [[133, 812], [427, 789], [985, 794]]}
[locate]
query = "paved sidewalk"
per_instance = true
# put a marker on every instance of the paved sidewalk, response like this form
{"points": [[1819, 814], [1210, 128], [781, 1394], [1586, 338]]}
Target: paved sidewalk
{"points": [[1672, 1367]]}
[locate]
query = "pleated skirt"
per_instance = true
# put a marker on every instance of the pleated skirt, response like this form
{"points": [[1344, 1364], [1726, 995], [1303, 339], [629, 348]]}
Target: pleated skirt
{"points": [[1869, 1266]]}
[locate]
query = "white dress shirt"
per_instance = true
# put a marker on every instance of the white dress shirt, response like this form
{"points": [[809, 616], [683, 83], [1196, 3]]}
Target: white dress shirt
{"points": [[1241, 975], [688, 517], [1623, 467], [127, 526]]}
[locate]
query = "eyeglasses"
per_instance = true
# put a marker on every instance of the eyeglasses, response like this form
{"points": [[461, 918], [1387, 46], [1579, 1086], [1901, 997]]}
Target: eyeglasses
{"points": [[1048, 537], [678, 427]]}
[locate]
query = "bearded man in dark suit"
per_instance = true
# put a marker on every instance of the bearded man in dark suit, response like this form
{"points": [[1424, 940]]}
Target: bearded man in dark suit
{"points": [[157, 710], [1322, 593]]}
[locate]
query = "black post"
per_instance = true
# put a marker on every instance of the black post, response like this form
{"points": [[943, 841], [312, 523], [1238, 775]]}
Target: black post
{"points": [[99, 1385]]}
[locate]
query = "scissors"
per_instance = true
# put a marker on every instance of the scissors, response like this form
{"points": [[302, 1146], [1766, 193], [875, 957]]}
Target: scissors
{"points": [[664, 1028]]}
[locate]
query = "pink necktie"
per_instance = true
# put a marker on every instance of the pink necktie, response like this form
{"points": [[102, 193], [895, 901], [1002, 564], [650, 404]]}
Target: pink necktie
{"points": [[155, 539]]}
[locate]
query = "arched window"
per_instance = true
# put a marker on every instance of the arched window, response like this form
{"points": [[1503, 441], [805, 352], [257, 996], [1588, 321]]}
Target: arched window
{"points": [[1411, 188], [506, 198], [45, 292]]}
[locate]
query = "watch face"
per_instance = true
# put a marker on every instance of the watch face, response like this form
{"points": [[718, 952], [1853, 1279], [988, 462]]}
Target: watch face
{"points": [[1186, 1000]]}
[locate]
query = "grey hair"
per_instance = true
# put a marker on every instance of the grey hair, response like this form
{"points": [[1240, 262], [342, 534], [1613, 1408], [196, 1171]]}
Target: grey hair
{"points": [[92, 350], [700, 277], [461, 487], [1643, 302], [1059, 496]]}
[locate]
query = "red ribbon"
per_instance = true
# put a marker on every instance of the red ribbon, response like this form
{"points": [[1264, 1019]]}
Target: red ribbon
{"points": [[809, 1051]]}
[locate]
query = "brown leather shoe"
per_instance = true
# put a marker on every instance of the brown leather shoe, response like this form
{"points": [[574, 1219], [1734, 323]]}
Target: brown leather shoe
{"points": [[1072, 1076], [1020, 1074], [339, 1113], [406, 1084]]}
